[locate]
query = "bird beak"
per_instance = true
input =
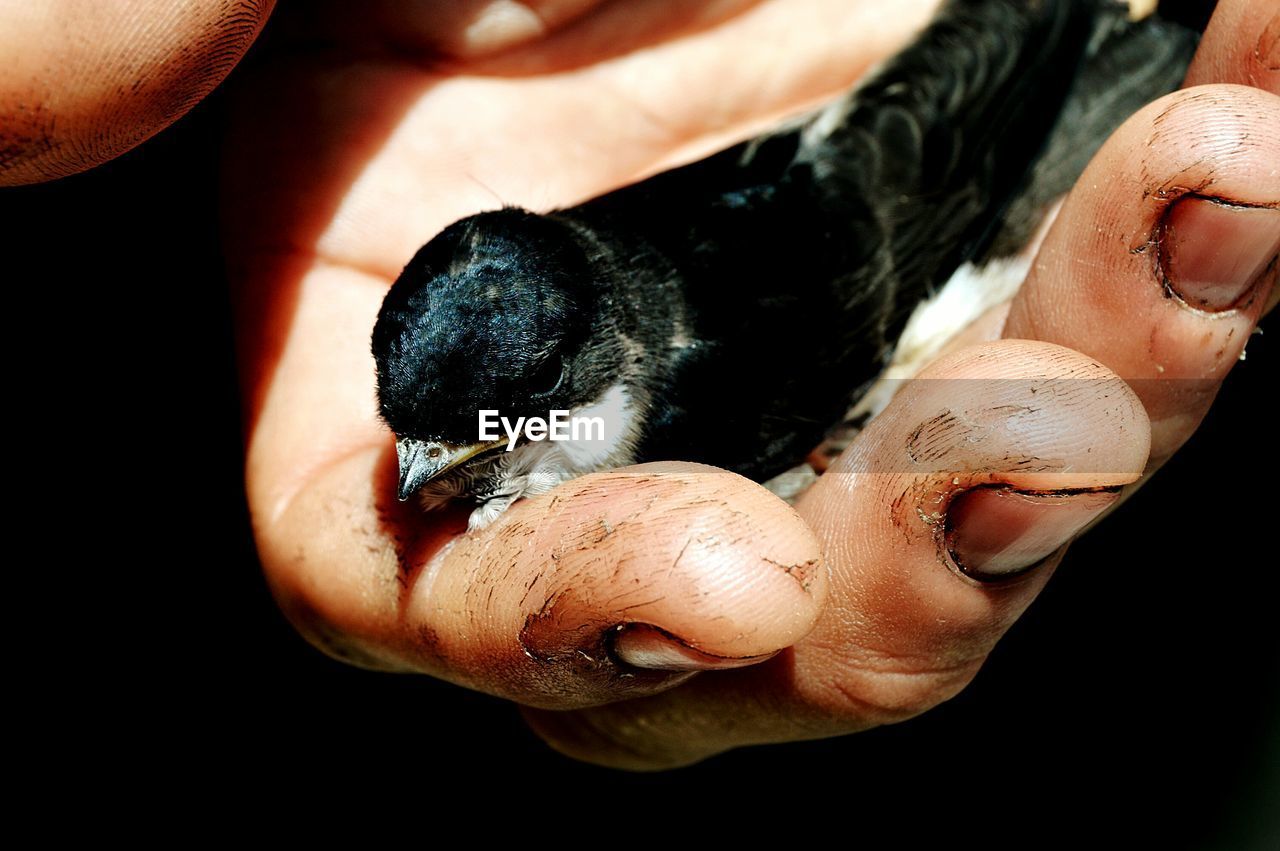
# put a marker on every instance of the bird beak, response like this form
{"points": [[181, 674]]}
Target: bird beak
{"points": [[422, 460]]}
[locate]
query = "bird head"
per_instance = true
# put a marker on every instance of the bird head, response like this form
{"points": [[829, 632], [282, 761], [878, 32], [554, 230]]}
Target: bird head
{"points": [[495, 313]]}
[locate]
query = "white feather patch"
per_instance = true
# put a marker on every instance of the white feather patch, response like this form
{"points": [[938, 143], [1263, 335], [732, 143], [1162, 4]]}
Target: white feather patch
{"points": [[536, 467], [970, 292]]}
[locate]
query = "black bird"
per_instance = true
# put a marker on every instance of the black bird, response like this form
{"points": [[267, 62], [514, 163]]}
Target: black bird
{"points": [[732, 310]]}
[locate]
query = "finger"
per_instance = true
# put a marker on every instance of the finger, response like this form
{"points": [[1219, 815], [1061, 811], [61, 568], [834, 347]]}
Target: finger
{"points": [[83, 82], [1163, 256], [616, 584], [664, 567], [940, 525], [1240, 45]]}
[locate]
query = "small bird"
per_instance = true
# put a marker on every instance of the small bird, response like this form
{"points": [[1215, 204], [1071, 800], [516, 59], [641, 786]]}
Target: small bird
{"points": [[732, 311]]}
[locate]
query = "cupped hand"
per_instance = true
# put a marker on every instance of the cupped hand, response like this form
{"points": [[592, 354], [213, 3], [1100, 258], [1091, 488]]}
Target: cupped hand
{"points": [[661, 613]]}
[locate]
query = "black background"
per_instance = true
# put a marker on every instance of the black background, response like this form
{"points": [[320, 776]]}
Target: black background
{"points": [[1142, 685]]}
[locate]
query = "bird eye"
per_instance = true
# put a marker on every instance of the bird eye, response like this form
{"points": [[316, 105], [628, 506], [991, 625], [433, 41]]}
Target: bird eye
{"points": [[548, 377]]}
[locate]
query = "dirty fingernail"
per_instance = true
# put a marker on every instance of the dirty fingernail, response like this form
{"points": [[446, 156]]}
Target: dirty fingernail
{"points": [[994, 533], [644, 646], [1213, 252]]}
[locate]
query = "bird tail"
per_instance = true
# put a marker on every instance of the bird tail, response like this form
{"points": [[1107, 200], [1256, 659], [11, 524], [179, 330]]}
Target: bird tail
{"points": [[987, 117], [1127, 65]]}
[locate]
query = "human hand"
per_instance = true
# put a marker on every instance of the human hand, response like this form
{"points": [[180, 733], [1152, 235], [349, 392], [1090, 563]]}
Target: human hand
{"points": [[514, 131], [342, 163]]}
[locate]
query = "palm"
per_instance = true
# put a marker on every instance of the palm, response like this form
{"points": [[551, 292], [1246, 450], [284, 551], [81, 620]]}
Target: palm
{"points": [[343, 163]]}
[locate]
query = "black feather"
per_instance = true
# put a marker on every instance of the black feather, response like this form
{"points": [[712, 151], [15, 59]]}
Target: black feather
{"points": [[748, 298]]}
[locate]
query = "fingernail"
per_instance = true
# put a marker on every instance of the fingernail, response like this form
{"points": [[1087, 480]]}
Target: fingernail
{"points": [[502, 23], [1213, 253], [994, 533], [644, 646]]}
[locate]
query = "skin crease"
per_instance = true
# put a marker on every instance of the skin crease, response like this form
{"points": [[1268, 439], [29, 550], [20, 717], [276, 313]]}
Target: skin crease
{"points": [[341, 162]]}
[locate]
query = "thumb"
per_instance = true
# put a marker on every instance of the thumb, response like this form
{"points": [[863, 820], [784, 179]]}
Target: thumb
{"points": [[83, 82]]}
